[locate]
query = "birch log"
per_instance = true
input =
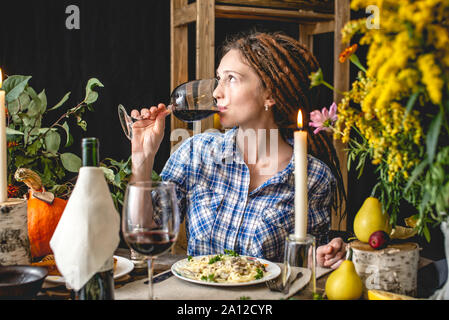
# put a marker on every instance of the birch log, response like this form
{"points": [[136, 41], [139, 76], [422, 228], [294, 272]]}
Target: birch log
{"points": [[392, 269], [14, 241]]}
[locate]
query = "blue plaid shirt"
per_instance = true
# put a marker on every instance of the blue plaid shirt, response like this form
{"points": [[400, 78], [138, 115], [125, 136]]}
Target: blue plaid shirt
{"points": [[212, 186]]}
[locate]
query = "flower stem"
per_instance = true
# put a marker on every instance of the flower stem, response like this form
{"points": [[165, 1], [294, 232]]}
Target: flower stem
{"points": [[331, 87], [65, 115]]}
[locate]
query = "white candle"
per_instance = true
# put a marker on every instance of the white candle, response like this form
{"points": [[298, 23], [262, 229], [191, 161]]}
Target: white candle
{"points": [[301, 206], [3, 150]]}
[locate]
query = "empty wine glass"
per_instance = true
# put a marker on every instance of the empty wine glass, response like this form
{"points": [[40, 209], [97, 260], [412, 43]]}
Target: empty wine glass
{"points": [[190, 101], [150, 220]]}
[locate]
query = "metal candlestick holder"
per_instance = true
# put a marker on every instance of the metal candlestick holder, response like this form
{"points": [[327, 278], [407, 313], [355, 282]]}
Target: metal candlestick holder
{"points": [[300, 252]]}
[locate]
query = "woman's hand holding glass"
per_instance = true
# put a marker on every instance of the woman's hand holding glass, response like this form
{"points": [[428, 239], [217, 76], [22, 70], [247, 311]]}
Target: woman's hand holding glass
{"points": [[147, 136]]}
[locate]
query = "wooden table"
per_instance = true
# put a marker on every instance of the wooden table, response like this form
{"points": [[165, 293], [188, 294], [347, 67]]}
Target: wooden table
{"points": [[164, 263], [161, 264]]}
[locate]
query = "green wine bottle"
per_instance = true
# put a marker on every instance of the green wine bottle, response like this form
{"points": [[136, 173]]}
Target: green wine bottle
{"points": [[101, 285], [90, 150]]}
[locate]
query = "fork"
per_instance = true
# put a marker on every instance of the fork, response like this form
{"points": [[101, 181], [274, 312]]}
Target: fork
{"points": [[290, 282], [277, 285]]}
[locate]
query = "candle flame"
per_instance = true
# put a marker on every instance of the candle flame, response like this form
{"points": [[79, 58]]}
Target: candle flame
{"points": [[300, 120], [1, 78]]}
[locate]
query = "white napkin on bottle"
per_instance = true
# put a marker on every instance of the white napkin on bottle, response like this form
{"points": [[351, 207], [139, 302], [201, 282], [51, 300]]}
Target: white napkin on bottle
{"points": [[88, 231]]}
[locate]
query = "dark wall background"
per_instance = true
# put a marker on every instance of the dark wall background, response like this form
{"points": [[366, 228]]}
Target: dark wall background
{"points": [[126, 45]]}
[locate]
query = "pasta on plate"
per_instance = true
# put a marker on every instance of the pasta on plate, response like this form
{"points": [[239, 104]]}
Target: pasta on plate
{"points": [[223, 268]]}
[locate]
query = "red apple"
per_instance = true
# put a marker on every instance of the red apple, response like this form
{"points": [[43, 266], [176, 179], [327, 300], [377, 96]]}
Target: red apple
{"points": [[378, 240]]}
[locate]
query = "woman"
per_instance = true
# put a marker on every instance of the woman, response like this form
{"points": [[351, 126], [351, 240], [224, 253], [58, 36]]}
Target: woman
{"points": [[237, 189]]}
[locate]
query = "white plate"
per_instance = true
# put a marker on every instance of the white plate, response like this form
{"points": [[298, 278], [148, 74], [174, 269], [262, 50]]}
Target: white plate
{"points": [[272, 269], [123, 267]]}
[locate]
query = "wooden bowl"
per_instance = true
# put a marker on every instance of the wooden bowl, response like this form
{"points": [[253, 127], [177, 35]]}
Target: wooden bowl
{"points": [[21, 282]]}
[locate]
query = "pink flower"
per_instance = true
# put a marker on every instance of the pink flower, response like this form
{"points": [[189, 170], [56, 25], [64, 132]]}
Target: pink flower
{"points": [[325, 119]]}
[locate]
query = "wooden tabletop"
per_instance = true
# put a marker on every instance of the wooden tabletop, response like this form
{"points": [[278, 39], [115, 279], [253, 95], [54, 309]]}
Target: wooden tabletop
{"points": [[164, 263], [161, 264]]}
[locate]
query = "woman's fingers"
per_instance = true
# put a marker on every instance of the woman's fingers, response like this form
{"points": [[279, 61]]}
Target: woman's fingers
{"points": [[151, 113], [145, 113], [337, 264], [323, 252], [333, 261], [337, 243], [162, 110], [135, 114]]}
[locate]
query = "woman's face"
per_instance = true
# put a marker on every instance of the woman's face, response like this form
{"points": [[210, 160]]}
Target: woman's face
{"points": [[240, 94]]}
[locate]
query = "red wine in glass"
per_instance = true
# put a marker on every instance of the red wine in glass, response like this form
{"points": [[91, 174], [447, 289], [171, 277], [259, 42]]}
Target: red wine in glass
{"points": [[194, 100], [151, 243], [193, 115]]}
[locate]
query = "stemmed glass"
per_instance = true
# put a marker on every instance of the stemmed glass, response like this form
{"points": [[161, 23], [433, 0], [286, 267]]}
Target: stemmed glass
{"points": [[150, 220], [190, 101]]}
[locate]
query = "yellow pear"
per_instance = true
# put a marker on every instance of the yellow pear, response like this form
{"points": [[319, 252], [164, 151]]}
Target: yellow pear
{"points": [[344, 283], [369, 219]]}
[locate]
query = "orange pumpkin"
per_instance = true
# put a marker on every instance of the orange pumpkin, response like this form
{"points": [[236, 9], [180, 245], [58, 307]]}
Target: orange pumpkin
{"points": [[44, 212]]}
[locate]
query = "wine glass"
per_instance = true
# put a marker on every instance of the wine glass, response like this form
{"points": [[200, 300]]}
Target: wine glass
{"points": [[150, 220], [190, 101]]}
